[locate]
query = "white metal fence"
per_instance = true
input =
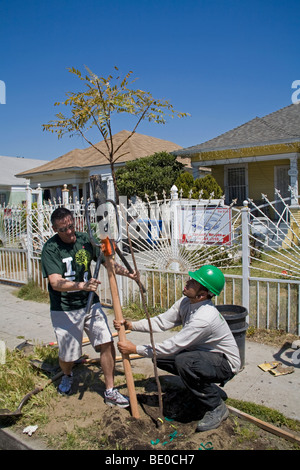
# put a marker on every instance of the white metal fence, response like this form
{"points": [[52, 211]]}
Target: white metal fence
{"points": [[172, 236]]}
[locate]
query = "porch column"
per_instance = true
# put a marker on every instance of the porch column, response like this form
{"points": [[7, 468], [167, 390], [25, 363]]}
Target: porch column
{"points": [[293, 174], [65, 196]]}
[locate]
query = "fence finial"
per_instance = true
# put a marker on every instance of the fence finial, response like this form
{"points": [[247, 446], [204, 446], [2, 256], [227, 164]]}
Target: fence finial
{"points": [[65, 195], [174, 192]]}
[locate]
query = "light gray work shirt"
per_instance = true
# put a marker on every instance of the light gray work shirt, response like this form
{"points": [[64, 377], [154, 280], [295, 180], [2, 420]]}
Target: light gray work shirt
{"points": [[203, 328]]}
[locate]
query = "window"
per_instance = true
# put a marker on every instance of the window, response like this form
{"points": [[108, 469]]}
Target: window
{"points": [[236, 184]]}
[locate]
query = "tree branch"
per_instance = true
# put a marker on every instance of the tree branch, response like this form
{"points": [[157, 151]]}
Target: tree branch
{"points": [[134, 129], [92, 145]]}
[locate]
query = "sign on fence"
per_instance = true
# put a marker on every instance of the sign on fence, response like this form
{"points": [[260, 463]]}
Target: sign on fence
{"points": [[205, 225]]}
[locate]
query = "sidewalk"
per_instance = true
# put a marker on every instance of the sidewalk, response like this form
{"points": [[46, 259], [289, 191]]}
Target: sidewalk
{"points": [[24, 320]]}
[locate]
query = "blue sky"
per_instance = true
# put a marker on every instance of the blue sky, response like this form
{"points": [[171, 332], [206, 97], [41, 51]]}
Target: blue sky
{"points": [[224, 62]]}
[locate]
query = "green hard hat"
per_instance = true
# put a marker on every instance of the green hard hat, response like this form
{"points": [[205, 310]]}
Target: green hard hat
{"points": [[210, 277]]}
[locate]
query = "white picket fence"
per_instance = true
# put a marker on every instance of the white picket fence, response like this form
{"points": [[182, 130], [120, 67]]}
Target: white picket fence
{"points": [[172, 236]]}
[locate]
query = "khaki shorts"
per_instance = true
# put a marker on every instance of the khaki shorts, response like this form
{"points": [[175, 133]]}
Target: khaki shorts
{"points": [[69, 328]]}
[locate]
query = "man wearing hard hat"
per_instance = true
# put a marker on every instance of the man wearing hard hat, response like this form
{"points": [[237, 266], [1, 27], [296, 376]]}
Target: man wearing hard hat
{"points": [[203, 352]]}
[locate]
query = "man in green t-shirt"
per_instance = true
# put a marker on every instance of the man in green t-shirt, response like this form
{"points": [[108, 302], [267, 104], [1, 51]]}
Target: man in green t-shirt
{"points": [[66, 261]]}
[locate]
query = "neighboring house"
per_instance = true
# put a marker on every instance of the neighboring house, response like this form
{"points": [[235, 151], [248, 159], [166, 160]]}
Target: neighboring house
{"points": [[255, 158], [12, 189], [75, 167]]}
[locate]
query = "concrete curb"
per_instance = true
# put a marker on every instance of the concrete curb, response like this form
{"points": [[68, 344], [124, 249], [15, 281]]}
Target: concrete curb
{"points": [[11, 441]]}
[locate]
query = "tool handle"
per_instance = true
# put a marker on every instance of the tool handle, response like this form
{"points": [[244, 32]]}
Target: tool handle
{"points": [[91, 294], [122, 336], [39, 389], [120, 254]]}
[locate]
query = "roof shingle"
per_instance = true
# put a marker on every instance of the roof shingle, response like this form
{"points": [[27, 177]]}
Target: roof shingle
{"points": [[280, 126], [136, 147]]}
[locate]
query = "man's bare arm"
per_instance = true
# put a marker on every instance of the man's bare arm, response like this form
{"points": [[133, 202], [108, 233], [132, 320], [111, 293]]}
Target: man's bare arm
{"points": [[60, 284]]}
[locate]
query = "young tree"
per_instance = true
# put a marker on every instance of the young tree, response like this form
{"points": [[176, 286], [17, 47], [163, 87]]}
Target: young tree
{"points": [[150, 175], [95, 106]]}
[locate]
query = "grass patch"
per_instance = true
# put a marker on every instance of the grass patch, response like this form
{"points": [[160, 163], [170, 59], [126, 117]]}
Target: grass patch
{"points": [[82, 438], [272, 337], [134, 311], [33, 291], [264, 413], [17, 378], [244, 432]]}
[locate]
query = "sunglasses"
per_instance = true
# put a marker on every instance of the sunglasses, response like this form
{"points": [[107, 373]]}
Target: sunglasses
{"points": [[64, 229]]}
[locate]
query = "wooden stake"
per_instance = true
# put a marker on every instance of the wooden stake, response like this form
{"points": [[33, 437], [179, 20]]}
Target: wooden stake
{"points": [[266, 426], [122, 335]]}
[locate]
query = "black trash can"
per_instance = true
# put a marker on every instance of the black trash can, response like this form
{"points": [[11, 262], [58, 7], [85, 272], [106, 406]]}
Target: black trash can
{"points": [[235, 316]]}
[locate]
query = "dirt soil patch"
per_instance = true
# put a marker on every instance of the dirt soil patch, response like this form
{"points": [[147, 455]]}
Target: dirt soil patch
{"points": [[82, 421], [277, 338]]}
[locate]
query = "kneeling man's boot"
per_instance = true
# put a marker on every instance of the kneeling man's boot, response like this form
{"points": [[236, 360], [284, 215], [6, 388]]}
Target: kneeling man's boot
{"points": [[213, 418]]}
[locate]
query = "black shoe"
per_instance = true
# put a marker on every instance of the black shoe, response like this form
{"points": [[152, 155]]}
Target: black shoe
{"points": [[213, 418]]}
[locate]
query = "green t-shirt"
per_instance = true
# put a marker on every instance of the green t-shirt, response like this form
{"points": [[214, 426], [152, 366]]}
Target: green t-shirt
{"points": [[73, 262]]}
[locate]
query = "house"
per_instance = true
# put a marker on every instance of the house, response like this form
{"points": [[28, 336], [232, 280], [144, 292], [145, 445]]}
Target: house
{"points": [[255, 158], [12, 189], [75, 167]]}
